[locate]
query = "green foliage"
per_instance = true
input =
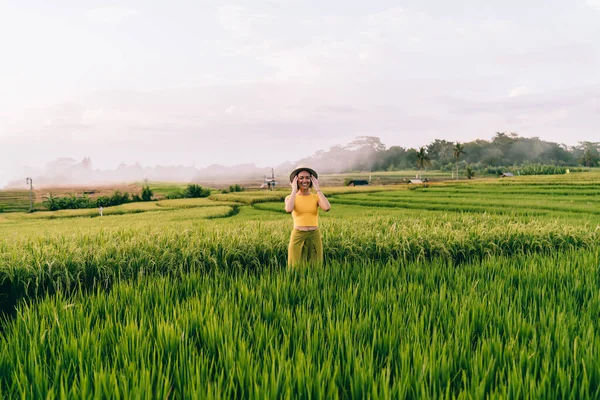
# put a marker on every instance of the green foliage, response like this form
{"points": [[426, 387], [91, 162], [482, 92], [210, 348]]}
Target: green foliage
{"points": [[235, 188], [15, 200], [102, 201], [473, 289], [457, 150], [74, 202], [70, 202], [423, 159], [232, 189], [505, 149], [350, 330], [147, 193], [589, 158], [196, 191], [538, 169], [488, 220], [118, 198], [469, 172], [192, 191], [174, 195]]}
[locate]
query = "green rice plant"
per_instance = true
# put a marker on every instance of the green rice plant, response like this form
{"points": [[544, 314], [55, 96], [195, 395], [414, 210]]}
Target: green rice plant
{"points": [[130, 208], [519, 326], [15, 200], [251, 197], [165, 189], [254, 197], [191, 298], [499, 203], [190, 203], [62, 258]]}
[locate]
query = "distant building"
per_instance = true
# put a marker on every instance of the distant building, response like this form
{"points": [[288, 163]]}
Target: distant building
{"points": [[358, 182], [269, 181], [507, 175], [415, 181]]}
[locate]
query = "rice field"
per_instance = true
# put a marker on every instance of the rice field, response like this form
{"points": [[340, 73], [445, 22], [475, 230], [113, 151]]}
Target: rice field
{"points": [[14, 200], [464, 289]]}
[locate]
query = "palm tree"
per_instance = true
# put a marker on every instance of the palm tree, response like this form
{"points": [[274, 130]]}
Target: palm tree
{"points": [[588, 159], [52, 202], [423, 159], [458, 150], [470, 173]]}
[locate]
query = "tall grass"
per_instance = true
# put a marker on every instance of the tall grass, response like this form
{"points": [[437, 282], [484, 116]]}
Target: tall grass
{"points": [[192, 299], [39, 262], [525, 326]]}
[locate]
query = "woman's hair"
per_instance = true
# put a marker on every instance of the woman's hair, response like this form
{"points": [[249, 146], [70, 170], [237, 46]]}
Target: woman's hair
{"points": [[304, 170]]}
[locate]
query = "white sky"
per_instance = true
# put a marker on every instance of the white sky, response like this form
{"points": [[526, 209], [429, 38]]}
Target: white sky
{"points": [[202, 82]]}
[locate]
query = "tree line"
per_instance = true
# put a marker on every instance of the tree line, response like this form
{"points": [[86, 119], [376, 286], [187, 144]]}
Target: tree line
{"points": [[368, 153], [73, 202]]}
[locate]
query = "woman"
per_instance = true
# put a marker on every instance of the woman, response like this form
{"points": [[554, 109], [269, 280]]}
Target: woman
{"points": [[305, 242]]}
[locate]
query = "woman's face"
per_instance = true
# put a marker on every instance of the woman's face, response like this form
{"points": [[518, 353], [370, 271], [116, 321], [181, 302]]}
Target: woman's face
{"points": [[304, 181]]}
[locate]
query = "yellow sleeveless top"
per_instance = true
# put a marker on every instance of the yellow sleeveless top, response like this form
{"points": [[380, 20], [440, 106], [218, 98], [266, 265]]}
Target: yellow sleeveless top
{"points": [[306, 210]]}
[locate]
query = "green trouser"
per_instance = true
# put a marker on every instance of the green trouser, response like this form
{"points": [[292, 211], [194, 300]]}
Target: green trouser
{"points": [[305, 247]]}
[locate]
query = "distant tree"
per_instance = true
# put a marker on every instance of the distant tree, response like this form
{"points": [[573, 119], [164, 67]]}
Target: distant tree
{"points": [[364, 152], [51, 202], [493, 156], [70, 202], [457, 151], [102, 201], [440, 150], [588, 159], [147, 193], [392, 158], [423, 159], [469, 171], [370, 142], [119, 198], [474, 150], [589, 153], [235, 188], [505, 141], [195, 191]]}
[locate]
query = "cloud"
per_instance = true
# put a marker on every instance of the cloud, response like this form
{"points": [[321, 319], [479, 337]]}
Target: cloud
{"points": [[318, 47], [389, 17], [562, 53], [192, 125], [519, 91], [241, 22], [593, 3], [111, 14], [303, 71]]}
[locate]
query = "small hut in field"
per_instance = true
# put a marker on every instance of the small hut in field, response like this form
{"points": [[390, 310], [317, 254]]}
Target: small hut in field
{"points": [[358, 182]]}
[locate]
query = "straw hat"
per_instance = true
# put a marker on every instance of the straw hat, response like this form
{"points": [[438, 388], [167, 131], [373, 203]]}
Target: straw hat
{"points": [[303, 168]]}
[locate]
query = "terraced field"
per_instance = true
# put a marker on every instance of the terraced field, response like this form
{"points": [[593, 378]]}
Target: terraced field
{"points": [[464, 289], [14, 200]]}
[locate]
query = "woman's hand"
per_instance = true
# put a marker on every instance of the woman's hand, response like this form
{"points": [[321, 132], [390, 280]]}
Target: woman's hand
{"points": [[294, 184], [315, 183], [323, 202]]}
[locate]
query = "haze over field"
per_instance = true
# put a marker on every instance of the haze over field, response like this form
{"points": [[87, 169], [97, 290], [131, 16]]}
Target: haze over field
{"points": [[264, 82]]}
